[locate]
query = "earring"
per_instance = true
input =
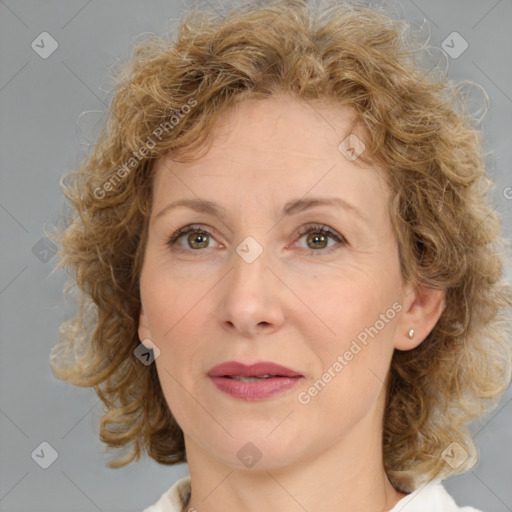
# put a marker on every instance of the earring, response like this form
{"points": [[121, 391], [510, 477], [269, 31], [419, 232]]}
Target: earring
{"points": [[411, 334]]}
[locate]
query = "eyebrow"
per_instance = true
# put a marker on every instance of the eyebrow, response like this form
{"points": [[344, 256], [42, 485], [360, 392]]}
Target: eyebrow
{"points": [[290, 208]]}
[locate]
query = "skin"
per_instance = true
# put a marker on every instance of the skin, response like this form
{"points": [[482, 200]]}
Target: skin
{"points": [[301, 303]]}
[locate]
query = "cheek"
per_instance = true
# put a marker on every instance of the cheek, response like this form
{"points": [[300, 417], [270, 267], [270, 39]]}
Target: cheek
{"points": [[170, 300], [180, 365], [352, 364], [343, 303], [175, 314], [357, 321]]}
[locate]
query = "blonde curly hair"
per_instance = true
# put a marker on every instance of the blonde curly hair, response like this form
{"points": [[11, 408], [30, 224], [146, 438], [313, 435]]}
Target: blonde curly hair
{"points": [[167, 101]]}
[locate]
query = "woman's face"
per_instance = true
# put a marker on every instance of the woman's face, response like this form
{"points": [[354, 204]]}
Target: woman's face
{"points": [[251, 287]]}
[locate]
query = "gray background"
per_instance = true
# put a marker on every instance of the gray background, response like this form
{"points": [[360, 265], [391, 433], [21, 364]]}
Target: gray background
{"points": [[43, 135]]}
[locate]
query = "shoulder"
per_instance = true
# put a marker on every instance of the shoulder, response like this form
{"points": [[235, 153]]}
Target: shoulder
{"points": [[432, 497], [173, 499]]}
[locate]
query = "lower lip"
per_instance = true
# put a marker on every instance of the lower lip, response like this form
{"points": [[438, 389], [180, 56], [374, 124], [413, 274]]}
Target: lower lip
{"points": [[257, 390]]}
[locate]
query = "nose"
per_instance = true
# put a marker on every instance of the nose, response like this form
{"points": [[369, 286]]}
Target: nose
{"points": [[251, 301]]}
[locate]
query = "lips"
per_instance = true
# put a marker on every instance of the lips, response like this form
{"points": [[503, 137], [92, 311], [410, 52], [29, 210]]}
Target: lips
{"points": [[254, 382], [264, 370]]}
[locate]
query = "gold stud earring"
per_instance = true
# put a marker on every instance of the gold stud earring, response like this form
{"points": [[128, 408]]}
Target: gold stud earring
{"points": [[411, 334]]}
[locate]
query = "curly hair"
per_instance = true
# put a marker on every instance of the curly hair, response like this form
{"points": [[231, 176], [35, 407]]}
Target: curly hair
{"points": [[167, 100]]}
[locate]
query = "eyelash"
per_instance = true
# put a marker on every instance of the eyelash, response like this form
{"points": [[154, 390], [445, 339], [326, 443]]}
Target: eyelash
{"points": [[315, 228]]}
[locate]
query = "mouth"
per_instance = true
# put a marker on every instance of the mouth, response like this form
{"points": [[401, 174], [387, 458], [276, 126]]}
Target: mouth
{"points": [[253, 382], [262, 370], [252, 378]]}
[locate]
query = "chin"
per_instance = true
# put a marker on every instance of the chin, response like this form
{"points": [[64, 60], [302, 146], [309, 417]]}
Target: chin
{"points": [[250, 450]]}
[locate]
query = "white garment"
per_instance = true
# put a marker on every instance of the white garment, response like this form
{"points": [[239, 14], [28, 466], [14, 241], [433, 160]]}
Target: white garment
{"points": [[432, 497]]}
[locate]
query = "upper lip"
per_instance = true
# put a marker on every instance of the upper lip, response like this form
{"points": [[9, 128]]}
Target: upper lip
{"points": [[234, 368]]}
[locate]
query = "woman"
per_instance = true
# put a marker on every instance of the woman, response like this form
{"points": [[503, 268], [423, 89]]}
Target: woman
{"points": [[288, 217]]}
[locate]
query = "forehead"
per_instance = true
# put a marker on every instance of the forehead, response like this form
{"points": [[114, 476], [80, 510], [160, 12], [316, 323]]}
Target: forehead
{"points": [[272, 150]]}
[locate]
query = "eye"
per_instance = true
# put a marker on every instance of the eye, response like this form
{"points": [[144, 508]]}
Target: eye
{"points": [[197, 238], [317, 238]]}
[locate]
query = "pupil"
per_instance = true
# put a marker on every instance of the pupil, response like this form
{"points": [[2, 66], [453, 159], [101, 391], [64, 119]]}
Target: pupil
{"points": [[315, 238], [194, 240]]}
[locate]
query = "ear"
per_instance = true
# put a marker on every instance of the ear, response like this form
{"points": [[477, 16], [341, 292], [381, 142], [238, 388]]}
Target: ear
{"points": [[422, 309], [144, 331]]}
